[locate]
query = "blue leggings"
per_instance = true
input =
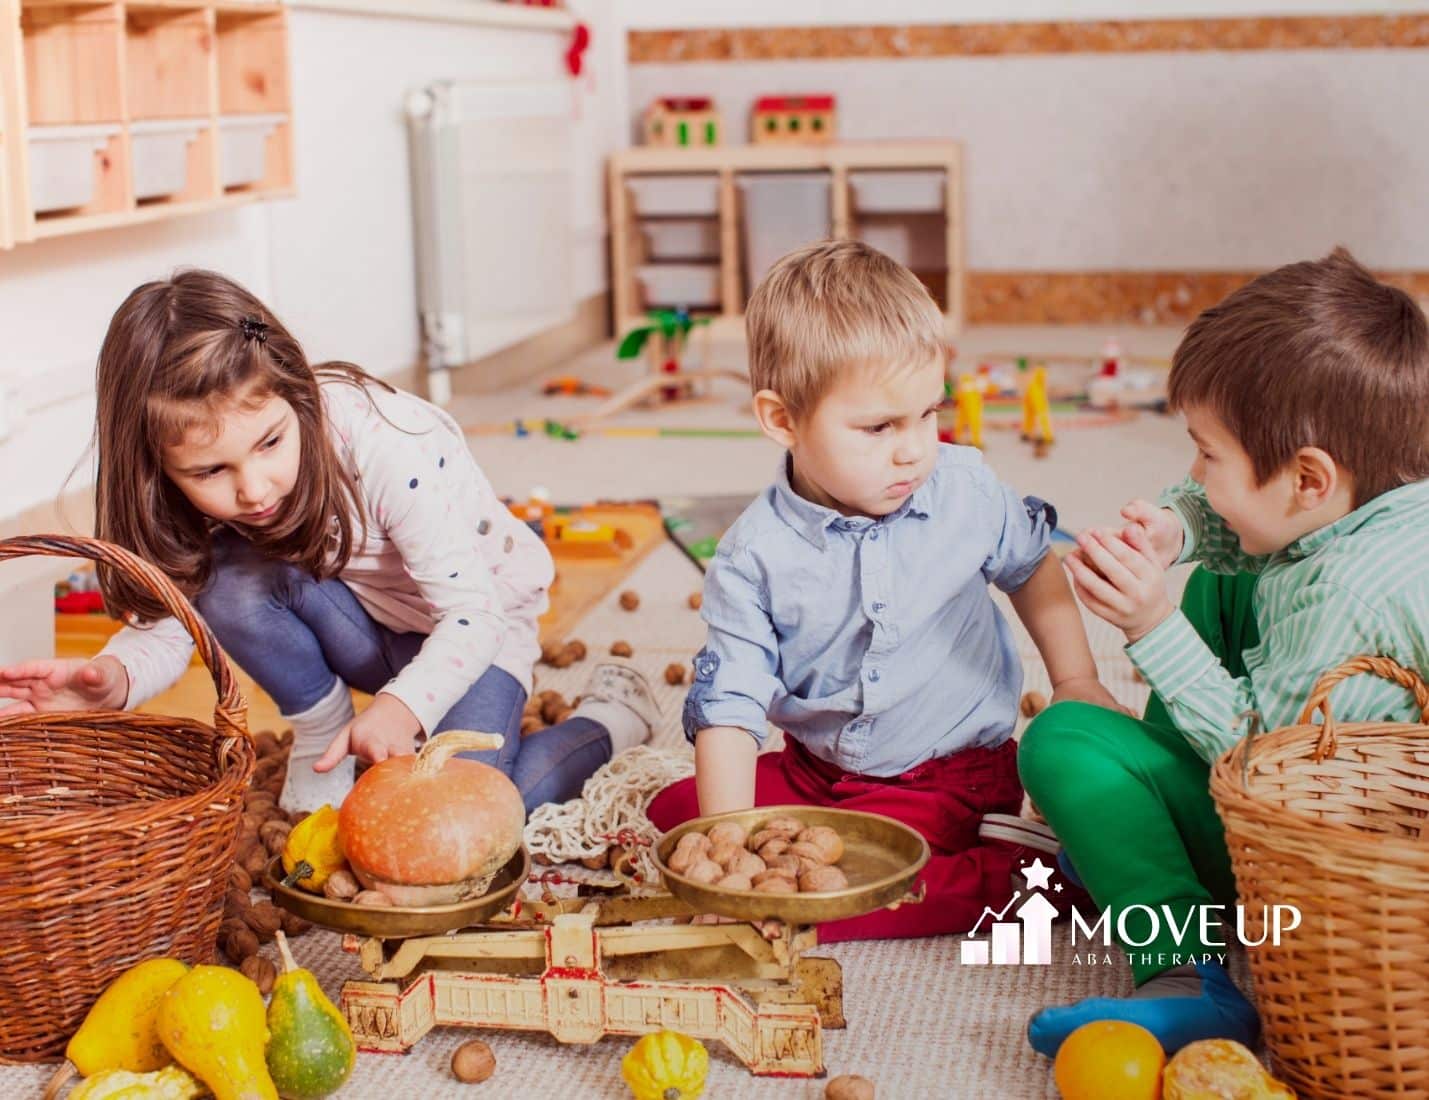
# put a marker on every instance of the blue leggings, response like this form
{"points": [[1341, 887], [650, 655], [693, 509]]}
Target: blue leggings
{"points": [[298, 636]]}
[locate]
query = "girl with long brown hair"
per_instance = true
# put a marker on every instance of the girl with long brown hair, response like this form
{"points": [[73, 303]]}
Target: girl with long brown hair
{"points": [[335, 533]]}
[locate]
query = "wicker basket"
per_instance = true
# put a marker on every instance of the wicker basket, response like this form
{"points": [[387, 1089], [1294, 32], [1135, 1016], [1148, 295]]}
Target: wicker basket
{"points": [[117, 831], [1334, 819]]}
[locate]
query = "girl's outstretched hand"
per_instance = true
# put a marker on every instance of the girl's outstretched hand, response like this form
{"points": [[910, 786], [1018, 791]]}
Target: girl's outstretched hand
{"points": [[386, 728], [59, 684]]}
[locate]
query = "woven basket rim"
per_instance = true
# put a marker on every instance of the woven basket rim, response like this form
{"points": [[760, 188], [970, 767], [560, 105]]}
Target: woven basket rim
{"points": [[1227, 788], [137, 813]]}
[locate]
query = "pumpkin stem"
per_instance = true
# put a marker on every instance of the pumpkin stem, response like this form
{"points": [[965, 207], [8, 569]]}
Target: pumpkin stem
{"points": [[441, 748], [672, 1093]]}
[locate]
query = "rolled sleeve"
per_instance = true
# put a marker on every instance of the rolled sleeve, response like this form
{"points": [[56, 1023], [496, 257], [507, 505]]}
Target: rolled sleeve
{"points": [[1023, 535], [736, 673]]}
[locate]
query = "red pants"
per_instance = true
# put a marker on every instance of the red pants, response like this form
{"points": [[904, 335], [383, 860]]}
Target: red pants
{"points": [[944, 799]]}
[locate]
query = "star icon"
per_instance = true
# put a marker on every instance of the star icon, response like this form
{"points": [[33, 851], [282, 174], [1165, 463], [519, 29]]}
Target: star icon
{"points": [[1056, 888], [1037, 874]]}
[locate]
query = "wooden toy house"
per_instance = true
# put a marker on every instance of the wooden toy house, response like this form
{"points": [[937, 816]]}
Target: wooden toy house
{"points": [[683, 121], [793, 120]]}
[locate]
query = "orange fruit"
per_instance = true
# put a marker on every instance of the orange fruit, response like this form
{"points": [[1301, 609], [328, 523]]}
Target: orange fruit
{"points": [[1109, 1060]]}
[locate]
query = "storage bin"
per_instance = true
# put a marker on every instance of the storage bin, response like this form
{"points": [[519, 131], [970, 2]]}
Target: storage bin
{"points": [[665, 196], [242, 148], [160, 151], [681, 239], [62, 168], [679, 286], [782, 211], [917, 241], [910, 192]]}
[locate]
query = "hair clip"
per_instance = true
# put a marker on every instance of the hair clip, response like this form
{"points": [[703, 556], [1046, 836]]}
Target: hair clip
{"points": [[254, 329]]}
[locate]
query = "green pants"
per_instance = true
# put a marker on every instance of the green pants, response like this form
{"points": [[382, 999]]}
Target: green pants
{"points": [[1130, 800]]}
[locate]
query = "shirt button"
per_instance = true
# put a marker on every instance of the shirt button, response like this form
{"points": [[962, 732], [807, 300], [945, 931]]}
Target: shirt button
{"points": [[879, 606], [873, 675], [874, 534]]}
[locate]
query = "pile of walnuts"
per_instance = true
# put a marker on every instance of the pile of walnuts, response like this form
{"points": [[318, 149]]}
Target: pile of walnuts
{"points": [[262, 835], [782, 857]]}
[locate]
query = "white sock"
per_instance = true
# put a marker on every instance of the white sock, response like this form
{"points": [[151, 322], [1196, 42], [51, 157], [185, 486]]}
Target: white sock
{"points": [[626, 728], [305, 790]]}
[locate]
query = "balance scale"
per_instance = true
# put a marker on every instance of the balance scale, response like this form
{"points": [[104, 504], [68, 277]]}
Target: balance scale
{"points": [[593, 972], [585, 967]]}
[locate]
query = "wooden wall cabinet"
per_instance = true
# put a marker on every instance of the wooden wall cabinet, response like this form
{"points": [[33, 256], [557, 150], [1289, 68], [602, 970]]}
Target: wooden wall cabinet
{"points": [[120, 113]]}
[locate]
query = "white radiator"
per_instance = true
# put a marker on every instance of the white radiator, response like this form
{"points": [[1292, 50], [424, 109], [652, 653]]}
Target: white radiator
{"points": [[491, 199]]}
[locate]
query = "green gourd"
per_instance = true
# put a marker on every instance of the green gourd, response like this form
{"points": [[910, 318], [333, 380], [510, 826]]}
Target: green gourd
{"points": [[310, 1047]]}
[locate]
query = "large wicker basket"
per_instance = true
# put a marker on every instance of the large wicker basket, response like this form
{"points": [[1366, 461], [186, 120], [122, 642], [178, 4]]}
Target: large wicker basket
{"points": [[1334, 819], [117, 831]]}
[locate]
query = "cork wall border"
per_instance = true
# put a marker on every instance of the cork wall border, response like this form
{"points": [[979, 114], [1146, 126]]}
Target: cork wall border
{"points": [[990, 39]]}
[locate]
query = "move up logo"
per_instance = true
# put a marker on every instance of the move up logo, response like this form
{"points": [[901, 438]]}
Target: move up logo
{"points": [[1021, 932], [1025, 937]]}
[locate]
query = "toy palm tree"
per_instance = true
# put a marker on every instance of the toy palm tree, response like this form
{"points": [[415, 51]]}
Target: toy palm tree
{"points": [[665, 339]]}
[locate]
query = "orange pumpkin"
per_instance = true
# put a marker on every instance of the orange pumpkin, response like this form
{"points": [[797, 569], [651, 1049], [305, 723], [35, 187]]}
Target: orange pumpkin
{"points": [[432, 829]]}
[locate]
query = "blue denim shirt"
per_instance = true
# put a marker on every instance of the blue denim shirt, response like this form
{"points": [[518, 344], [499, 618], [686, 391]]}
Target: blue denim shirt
{"points": [[875, 643]]}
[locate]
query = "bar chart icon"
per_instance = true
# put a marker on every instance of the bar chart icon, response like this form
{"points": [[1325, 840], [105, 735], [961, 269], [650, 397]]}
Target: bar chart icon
{"points": [[1027, 939]]}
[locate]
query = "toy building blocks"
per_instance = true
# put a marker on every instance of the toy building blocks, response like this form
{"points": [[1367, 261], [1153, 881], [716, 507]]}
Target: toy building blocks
{"points": [[683, 121], [793, 120]]}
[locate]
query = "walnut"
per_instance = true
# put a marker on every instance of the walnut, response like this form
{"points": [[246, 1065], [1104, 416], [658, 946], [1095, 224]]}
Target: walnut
{"points": [[821, 879], [731, 831], [705, 871], [341, 886], [260, 972], [825, 839]]}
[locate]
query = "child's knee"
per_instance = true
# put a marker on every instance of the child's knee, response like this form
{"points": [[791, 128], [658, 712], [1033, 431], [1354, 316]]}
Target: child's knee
{"points": [[1055, 745], [242, 589]]}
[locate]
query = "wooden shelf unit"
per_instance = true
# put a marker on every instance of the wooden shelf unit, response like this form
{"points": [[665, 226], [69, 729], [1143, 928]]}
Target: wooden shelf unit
{"points": [[727, 163], [132, 68]]}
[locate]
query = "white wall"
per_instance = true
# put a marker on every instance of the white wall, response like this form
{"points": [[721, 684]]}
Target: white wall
{"points": [[336, 262], [1214, 160], [663, 14]]}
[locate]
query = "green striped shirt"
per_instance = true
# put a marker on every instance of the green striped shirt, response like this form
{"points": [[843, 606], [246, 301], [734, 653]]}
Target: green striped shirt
{"points": [[1357, 586]]}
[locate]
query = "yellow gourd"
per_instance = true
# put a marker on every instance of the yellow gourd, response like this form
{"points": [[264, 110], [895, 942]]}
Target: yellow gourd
{"points": [[213, 1022], [666, 1065], [313, 852], [170, 1083], [118, 1032]]}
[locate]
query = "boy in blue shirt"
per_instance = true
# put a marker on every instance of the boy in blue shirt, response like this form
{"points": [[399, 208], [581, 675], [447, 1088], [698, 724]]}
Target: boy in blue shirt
{"points": [[849, 604]]}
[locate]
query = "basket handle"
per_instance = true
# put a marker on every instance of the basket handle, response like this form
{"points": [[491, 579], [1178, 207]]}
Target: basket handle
{"points": [[1319, 699], [230, 712], [1254, 725]]}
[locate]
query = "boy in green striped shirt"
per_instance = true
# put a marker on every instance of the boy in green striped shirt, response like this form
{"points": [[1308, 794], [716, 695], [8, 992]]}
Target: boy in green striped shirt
{"points": [[1307, 395]]}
